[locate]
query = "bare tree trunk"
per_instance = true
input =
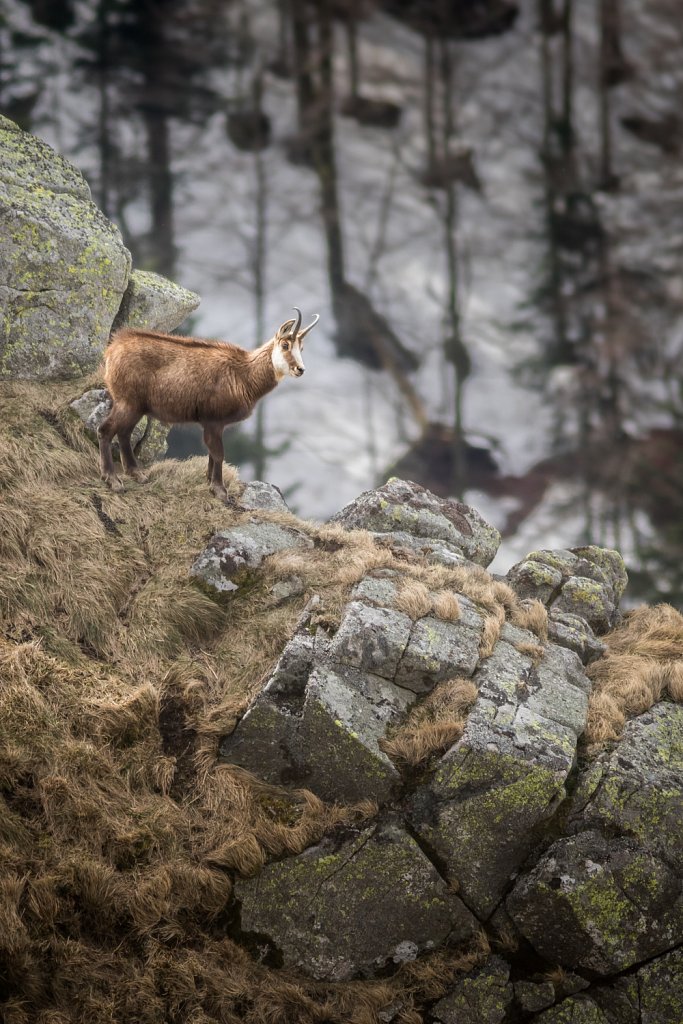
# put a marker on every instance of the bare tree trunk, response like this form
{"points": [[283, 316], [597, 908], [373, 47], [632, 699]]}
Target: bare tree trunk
{"points": [[548, 160], [430, 128], [456, 352], [104, 125], [259, 270], [567, 122], [609, 55], [354, 68]]}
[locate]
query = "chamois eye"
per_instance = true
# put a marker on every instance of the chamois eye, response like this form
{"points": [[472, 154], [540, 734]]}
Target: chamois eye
{"points": [[285, 346]]}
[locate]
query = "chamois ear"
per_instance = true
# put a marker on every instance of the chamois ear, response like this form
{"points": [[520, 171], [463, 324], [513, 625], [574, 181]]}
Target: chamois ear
{"points": [[285, 329]]}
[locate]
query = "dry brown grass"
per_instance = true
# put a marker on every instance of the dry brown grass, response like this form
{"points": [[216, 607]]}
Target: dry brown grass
{"points": [[643, 663], [434, 724]]}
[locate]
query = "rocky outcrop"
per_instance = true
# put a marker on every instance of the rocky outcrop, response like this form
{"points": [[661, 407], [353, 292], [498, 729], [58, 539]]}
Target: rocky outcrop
{"points": [[65, 274], [577, 863], [403, 514], [608, 895], [54, 244]]}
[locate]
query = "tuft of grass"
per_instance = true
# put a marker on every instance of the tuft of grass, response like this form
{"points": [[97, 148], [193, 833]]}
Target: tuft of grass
{"points": [[434, 724], [643, 663]]}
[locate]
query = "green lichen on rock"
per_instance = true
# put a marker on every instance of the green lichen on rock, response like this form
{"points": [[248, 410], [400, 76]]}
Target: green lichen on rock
{"points": [[480, 819], [152, 302], [63, 265], [661, 990], [482, 997], [599, 904], [309, 907]]}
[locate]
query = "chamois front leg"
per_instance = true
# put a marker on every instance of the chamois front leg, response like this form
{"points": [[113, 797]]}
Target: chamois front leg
{"points": [[213, 439], [119, 421]]}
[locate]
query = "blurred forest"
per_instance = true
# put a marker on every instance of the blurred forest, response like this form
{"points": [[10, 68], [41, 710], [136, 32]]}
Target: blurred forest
{"points": [[483, 199]]}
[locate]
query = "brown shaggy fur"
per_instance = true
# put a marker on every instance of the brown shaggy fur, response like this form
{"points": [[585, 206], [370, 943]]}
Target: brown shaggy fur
{"points": [[188, 380], [644, 661]]}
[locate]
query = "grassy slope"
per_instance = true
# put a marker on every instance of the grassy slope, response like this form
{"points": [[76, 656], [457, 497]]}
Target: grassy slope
{"points": [[119, 832]]}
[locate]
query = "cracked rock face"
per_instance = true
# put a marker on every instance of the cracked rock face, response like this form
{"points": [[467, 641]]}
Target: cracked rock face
{"points": [[54, 245], [482, 808], [407, 515], [339, 910], [609, 895], [582, 861]]}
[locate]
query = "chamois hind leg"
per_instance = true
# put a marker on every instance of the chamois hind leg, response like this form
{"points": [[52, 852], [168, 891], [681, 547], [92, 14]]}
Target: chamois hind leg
{"points": [[128, 460], [209, 469], [213, 439], [119, 419]]}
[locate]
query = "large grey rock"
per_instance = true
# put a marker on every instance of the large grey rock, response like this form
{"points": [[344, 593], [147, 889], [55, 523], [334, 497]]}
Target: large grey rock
{"points": [[340, 910], [404, 509], [318, 723], [371, 638], [582, 584], [149, 438], [153, 303], [229, 560], [617, 879], [482, 997], [63, 265], [495, 788], [598, 903]]}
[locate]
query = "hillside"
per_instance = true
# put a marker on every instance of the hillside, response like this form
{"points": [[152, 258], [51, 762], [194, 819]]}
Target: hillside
{"points": [[122, 830]]}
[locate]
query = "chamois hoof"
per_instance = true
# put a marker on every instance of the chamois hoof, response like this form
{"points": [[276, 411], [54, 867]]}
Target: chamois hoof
{"points": [[114, 483], [220, 492]]}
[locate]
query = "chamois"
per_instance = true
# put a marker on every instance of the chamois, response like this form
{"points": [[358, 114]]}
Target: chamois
{"points": [[190, 380]]}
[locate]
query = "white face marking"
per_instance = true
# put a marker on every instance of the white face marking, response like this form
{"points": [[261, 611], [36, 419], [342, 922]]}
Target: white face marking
{"points": [[285, 366]]}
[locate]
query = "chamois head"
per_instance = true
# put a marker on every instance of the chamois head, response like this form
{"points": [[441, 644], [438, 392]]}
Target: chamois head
{"points": [[287, 346]]}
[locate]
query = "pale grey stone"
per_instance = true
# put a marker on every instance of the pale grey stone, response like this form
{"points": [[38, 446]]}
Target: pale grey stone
{"points": [[346, 909], [573, 632], [535, 579], [231, 556], [149, 437], [153, 303], [263, 496], [437, 650], [371, 638], [588, 599], [405, 508]]}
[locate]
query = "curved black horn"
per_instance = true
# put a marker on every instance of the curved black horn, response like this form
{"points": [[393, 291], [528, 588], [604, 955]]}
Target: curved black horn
{"points": [[305, 331], [295, 330]]}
